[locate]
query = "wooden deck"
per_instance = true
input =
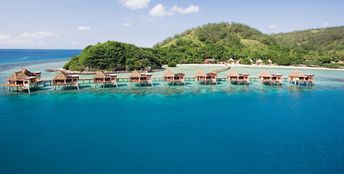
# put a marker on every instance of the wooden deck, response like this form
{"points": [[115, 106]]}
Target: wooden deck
{"points": [[48, 82]]}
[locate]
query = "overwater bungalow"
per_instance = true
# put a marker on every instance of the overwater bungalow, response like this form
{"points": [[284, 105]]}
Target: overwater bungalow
{"points": [[141, 78], [270, 79], [209, 78], [23, 80], [299, 78], [105, 78], [238, 79], [172, 78], [64, 79]]}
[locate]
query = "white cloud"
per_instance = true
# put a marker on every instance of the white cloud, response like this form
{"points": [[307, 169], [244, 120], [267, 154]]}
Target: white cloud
{"points": [[187, 10], [135, 4], [4, 37], [38, 35], [160, 11], [325, 24], [72, 43], [84, 28], [27, 38], [126, 24], [272, 26]]}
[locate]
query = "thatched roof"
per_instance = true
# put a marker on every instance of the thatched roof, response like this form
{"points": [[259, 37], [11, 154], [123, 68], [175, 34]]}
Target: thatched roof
{"points": [[60, 76], [265, 74], [100, 75], [135, 74], [212, 73], [232, 73], [297, 73], [259, 61], [270, 61], [180, 74], [200, 73], [169, 73], [23, 74], [231, 60]]}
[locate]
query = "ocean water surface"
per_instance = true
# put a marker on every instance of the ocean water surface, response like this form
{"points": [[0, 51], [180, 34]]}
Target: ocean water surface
{"points": [[186, 129], [29, 55]]}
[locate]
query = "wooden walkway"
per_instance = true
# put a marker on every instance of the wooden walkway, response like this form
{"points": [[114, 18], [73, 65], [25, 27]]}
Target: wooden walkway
{"points": [[154, 79]]}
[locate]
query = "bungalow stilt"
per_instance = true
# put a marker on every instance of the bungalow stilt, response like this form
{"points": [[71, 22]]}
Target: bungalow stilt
{"points": [[299, 78], [23, 80], [204, 78], [105, 79], [238, 79], [141, 78], [270, 79], [64, 79], [172, 78]]}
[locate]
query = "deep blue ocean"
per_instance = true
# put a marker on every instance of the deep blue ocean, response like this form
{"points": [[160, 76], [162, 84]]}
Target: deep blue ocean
{"points": [[203, 130], [27, 55]]}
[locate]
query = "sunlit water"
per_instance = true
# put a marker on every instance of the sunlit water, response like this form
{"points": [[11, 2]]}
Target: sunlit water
{"points": [[185, 129]]}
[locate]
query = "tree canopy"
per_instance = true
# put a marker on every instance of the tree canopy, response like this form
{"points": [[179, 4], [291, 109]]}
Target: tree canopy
{"points": [[221, 41]]}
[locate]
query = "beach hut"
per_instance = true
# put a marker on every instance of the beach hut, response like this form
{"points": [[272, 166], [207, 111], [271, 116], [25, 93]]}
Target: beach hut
{"points": [[299, 78], [168, 76], [270, 62], [105, 78], [231, 61], [141, 78], [172, 78], [209, 61], [64, 79], [200, 76], [179, 78], [23, 79], [259, 62], [238, 79], [209, 78], [270, 79]]}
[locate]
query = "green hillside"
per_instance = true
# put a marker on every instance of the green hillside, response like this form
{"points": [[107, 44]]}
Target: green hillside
{"points": [[114, 55], [323, 39], [220, 41]]}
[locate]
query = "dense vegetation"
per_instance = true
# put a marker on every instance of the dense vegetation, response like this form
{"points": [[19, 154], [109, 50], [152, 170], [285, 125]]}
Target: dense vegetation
{"points": [[113, 55], [317, 46], [320, 47]]}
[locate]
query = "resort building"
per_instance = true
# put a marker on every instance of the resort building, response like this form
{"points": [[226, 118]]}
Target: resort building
{"points": [[172, 78], [23, 79], [238, 79], [209, 61], [231, 61], [210, 78], [105, 78], [270, 79], [299, 78], [64, 79], [141, 78], [259, 62]]}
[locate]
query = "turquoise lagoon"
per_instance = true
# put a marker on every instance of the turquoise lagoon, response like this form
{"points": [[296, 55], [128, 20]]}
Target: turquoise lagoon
{"points": [[186, 129]]}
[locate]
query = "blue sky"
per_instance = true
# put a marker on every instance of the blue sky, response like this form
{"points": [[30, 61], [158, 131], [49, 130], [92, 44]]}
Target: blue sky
{"points": [[78, 23]]}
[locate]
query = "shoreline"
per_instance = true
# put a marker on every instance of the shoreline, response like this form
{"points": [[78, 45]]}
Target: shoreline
{"points": [[265, 66]]}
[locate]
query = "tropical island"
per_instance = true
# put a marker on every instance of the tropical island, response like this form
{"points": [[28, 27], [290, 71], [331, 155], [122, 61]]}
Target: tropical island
{"points": [[219, 42]]}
